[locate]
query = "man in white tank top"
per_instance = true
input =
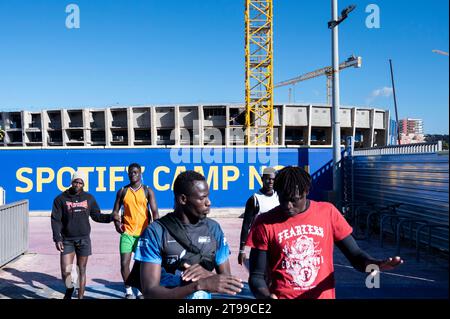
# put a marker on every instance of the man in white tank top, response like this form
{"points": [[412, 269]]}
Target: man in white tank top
{"points": [[261, 202]]}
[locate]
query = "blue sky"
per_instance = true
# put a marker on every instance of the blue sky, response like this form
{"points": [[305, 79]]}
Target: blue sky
{"points": [[134, 52]]}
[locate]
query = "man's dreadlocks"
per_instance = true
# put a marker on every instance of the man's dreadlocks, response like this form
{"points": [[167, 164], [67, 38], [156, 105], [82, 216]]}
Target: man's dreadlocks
{"points": [[292, 179]]}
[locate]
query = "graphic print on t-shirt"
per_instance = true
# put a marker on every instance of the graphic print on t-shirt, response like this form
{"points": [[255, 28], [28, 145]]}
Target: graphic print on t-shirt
{"points": [[76, 207], [302, 257]]}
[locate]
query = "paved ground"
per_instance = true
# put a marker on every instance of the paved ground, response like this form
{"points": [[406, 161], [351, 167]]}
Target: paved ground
{"points": [[36, 274]]}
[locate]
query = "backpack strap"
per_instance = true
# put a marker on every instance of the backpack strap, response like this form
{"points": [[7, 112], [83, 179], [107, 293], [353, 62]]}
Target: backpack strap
{"points": [[177, 231], [194, 255], [147, 193], [123, 192]]}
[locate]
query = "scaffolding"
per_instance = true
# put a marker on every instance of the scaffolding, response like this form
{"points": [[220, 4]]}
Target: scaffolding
{"points": [[259, 72]]}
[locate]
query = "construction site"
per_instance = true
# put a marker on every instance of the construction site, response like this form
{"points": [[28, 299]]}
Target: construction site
{"points": [[160, 126], [393, 195]]}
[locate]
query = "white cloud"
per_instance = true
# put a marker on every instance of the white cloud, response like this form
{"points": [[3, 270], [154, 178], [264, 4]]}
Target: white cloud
{"points": [[384, 92]]}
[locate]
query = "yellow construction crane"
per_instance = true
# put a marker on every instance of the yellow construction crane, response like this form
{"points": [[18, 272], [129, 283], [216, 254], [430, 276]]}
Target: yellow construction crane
{"points": [[328, 71], [259, 72]]}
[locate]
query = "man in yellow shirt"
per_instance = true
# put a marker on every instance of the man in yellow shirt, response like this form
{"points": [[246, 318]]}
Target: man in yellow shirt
{"points": [[135, 199]]}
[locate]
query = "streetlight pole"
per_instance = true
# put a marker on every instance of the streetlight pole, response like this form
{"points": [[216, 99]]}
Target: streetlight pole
{"points": [[335, 101]]}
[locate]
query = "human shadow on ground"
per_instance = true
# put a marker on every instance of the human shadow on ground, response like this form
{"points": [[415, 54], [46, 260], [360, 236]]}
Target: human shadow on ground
{"points": [[115, 286], [15, 288]]}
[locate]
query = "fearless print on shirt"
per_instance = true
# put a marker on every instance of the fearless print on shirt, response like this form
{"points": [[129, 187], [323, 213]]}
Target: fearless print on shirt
{"points": [[302, 261]]}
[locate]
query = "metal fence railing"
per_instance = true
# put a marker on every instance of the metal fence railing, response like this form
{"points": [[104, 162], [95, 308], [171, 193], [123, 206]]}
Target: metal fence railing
{"points": [[14, 220], [419, 148]]}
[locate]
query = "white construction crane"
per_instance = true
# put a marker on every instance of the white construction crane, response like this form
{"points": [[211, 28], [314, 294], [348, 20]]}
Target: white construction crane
{"points": [[328, 71], [440, 52]]}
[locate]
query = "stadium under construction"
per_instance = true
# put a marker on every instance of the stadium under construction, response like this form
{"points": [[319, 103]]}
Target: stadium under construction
{"points": [[302, 125]]}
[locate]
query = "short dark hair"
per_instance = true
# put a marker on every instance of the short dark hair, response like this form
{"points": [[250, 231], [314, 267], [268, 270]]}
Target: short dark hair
{"points": [[290, 179], [133, 165], [184, 182]]}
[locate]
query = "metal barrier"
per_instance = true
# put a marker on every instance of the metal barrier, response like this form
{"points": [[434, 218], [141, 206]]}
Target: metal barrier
{"points": [[2, 196], [13, 230], [415, 175], [419, 148]]}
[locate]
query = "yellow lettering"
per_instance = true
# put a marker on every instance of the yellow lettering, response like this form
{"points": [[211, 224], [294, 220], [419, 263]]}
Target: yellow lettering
{"points": [[101, 179], [156, 184], [113, 179], [227, 178], [28, 182], [278, 167], [40, 179], [252, 175], [59, 177], [213, 175]]}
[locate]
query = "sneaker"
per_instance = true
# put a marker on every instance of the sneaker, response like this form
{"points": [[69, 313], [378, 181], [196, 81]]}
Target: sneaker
{"points": [[140, 297], [69, 293], [129, 296]]}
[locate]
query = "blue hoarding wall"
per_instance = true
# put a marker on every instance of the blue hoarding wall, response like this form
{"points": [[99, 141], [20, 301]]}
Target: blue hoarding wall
{"points": [[320, 166], [232, 173]]}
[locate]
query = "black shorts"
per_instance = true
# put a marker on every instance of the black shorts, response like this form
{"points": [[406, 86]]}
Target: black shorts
{"points": [[81, 247]]}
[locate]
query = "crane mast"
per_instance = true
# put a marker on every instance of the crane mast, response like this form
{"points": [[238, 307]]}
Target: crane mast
{"points": [[259, 72]]}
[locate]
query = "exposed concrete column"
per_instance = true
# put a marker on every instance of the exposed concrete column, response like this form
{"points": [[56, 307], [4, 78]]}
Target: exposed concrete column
{"points": [[108, 123], [41, 127], [354, 122], [227, 125], [177, 125], [154, 132], [150, 123], [23, 119], [64, 126], [201, 124], [86, 128], [195, 139], [309, 123], [130, 126], [283, 125], [44, 126], [372, 126]]}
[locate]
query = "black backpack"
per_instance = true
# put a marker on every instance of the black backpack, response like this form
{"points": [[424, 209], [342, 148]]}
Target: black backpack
{"points": [[193, 254]]}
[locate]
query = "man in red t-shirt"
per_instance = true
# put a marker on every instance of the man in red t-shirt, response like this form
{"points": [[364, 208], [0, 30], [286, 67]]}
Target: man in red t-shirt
{"points": [[295, 241]]}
